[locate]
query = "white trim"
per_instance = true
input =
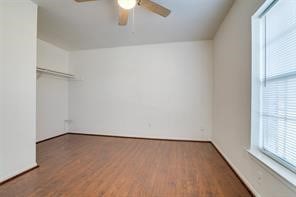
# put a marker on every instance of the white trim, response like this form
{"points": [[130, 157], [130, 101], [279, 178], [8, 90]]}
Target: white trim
{"points": [[241, 175], [140, 137], [263, 8], [11, 175], [286, 176], [276, 169]]}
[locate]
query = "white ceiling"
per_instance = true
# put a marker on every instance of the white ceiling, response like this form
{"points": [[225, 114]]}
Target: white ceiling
{"points": [[75, 26]]}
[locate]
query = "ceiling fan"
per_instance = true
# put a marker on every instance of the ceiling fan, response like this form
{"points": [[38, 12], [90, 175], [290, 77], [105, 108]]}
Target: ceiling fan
{"points": [[126, 5]]}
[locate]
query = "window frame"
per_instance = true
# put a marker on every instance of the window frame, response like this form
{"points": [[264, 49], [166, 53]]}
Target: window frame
{"points": [[279, 167]]}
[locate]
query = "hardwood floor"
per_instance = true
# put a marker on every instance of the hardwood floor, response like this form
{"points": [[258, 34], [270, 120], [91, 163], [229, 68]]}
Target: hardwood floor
{"points": [[76, 165]]}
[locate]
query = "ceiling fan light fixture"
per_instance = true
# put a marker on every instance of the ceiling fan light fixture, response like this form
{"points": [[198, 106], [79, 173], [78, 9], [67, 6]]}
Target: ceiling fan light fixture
{"points": [[127, 4]]}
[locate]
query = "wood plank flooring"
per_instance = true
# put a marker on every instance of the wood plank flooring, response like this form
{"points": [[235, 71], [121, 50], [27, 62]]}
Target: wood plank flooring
{"points": [[77, 165]]}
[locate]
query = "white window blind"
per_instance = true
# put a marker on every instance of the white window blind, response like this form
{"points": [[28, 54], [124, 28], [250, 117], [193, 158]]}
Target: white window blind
{"points": [[278, 91]]}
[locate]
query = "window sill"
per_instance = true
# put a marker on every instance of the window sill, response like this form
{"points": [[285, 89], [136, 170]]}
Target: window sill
{"points": [[286, 176]]}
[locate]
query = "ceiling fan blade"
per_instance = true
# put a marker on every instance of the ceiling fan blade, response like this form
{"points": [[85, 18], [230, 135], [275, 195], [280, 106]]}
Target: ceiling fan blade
{"points": [[123, 16], [155, 7], [81, 1]]}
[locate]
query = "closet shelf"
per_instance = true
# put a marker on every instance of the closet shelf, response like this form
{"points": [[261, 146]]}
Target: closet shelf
{"points": [[55, 73]]}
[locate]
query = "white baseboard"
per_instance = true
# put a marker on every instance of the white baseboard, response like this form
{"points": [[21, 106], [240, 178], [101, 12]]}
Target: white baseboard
{"points": [[242, 177], [140, 137], [17, 172]]}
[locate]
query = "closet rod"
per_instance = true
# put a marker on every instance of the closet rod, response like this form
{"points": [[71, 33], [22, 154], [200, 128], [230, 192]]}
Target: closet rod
{"points": [[53, 72]]}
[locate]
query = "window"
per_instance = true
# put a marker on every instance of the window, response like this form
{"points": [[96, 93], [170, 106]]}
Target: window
{"points": [[274, 82]]}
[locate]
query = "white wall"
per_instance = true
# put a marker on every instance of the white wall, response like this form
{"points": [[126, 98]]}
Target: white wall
{"points": [[18, 28], [155, 91], [1, 90], [52, 92], [232, 99]]}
